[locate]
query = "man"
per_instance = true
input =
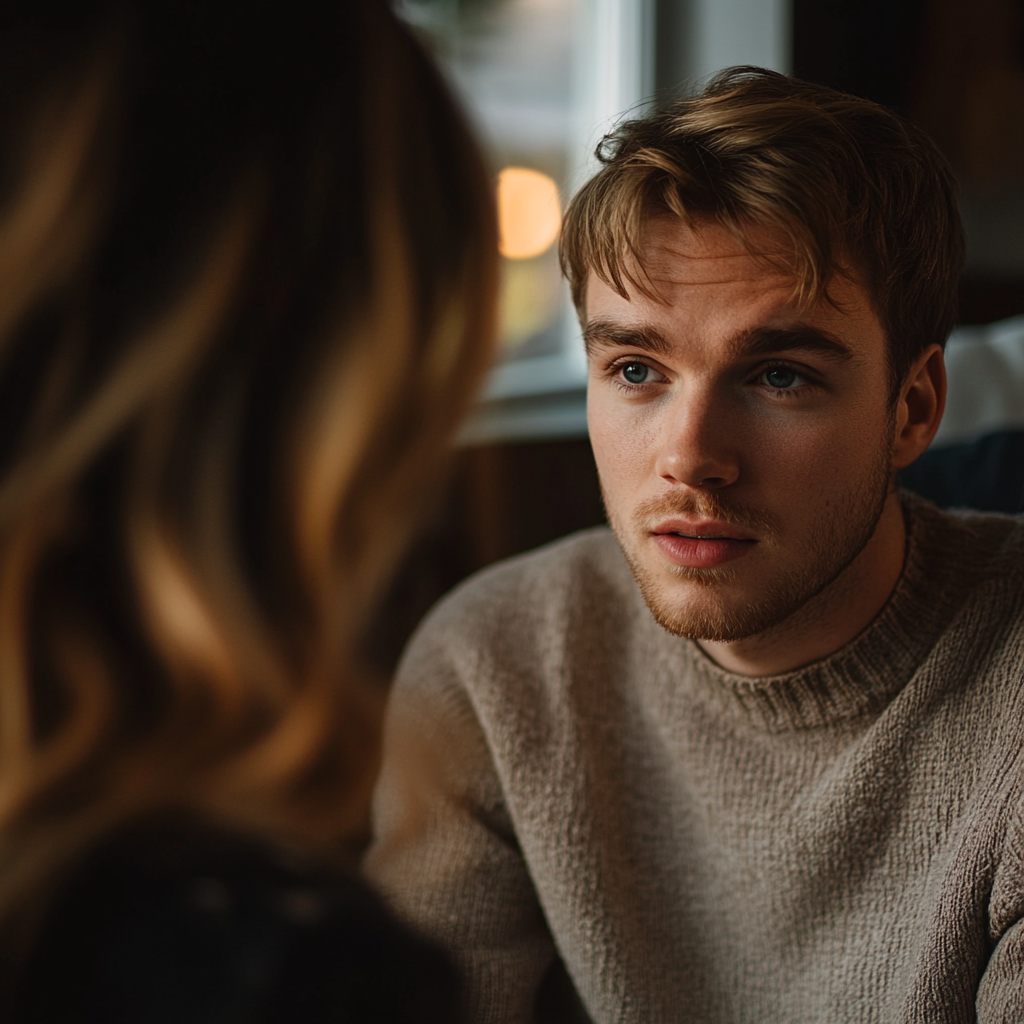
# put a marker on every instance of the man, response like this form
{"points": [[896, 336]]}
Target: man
{"points": [[756, 756]]}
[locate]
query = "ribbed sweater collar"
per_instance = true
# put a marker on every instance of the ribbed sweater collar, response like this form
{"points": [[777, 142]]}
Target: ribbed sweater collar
{"points": [[862, 677]]}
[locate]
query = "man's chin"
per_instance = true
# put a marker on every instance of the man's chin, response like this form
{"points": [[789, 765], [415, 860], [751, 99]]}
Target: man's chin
{"points": [[710, 605], [715, 624]]}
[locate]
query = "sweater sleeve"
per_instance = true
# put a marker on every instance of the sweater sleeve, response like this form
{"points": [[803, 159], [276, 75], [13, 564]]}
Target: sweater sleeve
{"points": [[445, 854], [1001, 993]]}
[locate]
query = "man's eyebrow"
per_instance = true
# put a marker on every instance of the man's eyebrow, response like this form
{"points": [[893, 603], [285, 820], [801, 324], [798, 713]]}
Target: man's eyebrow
{"points": [[764, 341], [600, 333], [760, 341]]}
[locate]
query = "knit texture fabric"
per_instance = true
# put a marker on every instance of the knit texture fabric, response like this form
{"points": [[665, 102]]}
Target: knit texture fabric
{"points": [[563, 778]]}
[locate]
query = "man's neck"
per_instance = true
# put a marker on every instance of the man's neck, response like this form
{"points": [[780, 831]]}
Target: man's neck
{"points": [[832, 618]]}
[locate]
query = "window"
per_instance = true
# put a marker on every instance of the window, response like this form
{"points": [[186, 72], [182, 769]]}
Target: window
{"points": [[543, 81]]}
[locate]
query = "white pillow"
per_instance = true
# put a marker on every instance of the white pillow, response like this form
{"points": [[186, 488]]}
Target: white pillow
{"points": [[985, 366]]}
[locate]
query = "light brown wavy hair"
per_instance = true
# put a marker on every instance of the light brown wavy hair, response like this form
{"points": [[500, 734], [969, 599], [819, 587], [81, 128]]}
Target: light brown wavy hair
{"points": [[248, 265], [848, 185]]}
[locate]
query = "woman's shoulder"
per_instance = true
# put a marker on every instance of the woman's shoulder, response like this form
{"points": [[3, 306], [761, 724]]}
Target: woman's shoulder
{"points": [[174, 921]]}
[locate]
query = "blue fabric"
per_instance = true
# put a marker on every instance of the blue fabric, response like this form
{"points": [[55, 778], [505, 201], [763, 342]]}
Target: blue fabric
{"points": [[987, 474]]}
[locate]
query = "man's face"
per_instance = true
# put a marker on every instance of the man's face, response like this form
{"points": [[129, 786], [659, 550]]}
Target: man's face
{"points": [[744, 444]]}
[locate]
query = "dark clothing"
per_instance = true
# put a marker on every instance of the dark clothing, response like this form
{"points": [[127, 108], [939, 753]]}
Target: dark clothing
{"points": [[986, 474], [166, 925]]}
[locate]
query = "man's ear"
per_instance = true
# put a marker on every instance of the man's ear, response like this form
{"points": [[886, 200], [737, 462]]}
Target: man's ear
{"points": [[919, 409]]}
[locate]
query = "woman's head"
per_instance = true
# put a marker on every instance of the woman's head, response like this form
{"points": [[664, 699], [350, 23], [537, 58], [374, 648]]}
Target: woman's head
{"points": [[247, 280]]}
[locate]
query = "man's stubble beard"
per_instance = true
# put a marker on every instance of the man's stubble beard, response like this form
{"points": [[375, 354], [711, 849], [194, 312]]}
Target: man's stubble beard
{"points": [[832, 549]]}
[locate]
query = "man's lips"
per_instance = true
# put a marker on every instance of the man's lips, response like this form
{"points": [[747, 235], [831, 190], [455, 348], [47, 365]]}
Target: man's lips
{"points": [[701, 545]]}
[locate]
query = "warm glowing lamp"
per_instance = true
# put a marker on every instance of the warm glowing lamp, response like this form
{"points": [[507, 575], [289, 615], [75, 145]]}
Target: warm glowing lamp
{"points": [[529, 213]]}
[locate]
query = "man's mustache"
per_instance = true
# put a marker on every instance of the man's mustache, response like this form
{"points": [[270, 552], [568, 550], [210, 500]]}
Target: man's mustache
{"points": [[706, 505]]}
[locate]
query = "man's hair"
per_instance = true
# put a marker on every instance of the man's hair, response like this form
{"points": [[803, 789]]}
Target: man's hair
{"points": [[851, 185]]}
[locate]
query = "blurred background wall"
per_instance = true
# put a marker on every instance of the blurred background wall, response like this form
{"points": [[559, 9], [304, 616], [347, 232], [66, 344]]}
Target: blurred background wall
{"points": [[544, 79]]}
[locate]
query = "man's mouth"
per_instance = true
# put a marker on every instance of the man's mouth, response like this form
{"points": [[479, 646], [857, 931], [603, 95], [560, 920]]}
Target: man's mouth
{"points": [[706, 529], [701, 536], [702, 546]]}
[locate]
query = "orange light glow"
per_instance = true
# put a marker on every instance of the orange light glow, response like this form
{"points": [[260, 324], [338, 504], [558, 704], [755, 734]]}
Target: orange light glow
{"points": [[529, 213]]}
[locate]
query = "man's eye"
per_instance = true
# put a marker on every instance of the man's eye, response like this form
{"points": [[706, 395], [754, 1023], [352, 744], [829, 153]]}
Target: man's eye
{"points": [[781, 377], [636, 373]]}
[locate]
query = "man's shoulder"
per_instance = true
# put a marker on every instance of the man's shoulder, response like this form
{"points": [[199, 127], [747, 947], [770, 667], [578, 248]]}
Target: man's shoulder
{"points": [[569, 591], [967, 567], [985, 544], [547, 581]]}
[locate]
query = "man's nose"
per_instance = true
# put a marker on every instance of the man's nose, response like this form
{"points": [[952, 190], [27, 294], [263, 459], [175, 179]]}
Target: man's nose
{"points": [[695, 447]]}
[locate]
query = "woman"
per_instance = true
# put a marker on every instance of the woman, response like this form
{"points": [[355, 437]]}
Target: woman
{"points": [[247, 288]]}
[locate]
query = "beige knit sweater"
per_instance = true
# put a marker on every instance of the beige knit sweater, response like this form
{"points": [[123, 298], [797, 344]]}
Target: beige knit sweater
{"points": [[843, 843]]}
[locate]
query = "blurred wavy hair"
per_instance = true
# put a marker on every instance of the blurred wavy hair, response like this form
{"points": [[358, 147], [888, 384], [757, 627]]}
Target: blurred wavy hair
{"points": [[247, 289]]}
